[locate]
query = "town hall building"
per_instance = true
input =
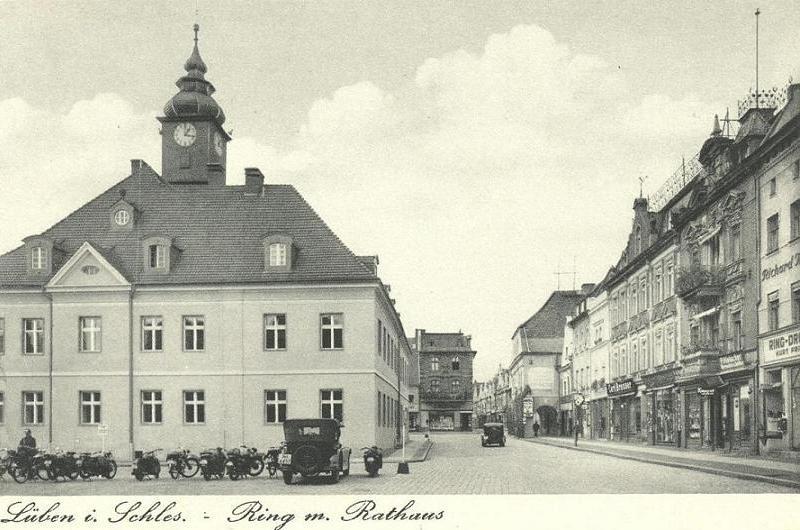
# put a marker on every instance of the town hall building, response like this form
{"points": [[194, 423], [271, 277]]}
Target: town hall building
{"points": [[177, 310]]}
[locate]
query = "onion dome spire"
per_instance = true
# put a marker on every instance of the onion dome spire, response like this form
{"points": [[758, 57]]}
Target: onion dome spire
{"points": [[194, 98], [716, 131]]}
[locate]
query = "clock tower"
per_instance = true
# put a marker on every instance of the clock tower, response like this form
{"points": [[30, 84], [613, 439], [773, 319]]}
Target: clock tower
{"points": [[193, 142]]}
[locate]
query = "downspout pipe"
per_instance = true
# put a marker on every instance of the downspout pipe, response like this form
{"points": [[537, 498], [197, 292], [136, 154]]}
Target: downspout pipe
{"points": [[130, 370], [50, 369]]}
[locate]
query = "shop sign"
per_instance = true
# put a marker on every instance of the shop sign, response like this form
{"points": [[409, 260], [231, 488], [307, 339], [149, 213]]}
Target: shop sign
{"points": [[705, 391], [623, 387], [732, 361], [659, 379], [780, 268], [779, 347], [527, 407]]}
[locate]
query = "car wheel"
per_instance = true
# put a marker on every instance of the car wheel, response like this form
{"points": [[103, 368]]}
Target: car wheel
{"points": [[139, 476], [335, 476], [287, 477]]}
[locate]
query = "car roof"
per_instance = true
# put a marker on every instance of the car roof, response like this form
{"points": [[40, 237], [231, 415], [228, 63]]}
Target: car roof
{"points": [[312, 421]]}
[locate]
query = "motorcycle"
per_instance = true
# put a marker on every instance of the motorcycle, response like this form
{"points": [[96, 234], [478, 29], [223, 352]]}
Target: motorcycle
{"points": [[98, 464], [212, 463], [373, 460], [64, 464], [146, 465], [182, 464], [4, 461], [271, 460], [254, 459]]}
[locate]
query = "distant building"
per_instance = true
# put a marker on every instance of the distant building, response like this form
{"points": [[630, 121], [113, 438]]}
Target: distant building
{"points": [[445, 380], [536, 356]]}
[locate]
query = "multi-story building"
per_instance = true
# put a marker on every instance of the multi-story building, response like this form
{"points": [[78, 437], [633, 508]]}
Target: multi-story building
{"points": [[537, 346], [778, 196], [174, 308], [587, 364], [445, 380], [643, 341]]}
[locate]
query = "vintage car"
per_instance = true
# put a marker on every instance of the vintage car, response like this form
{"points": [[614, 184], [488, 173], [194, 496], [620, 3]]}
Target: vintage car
{"points": [[312, 447], [493, 434]]}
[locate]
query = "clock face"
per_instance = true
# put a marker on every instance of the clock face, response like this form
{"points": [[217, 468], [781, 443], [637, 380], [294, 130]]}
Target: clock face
{"points": [[218, 143], [185, 134]]}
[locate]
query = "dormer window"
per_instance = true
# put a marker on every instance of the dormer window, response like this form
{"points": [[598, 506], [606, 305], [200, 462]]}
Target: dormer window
{"points": [[122, 214], [279, 253], [38, 258], [455, 363], [159, 255]]}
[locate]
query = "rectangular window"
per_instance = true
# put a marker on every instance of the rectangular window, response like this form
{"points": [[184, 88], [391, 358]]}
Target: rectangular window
{"points": [[33, 408], [772, 233], [796, 169], [38, 258], [277, 255], [194, 407], [151, 407], [331, 404], [643, 293], [90, 408], [275, 406], [380, 408], [736, 330], [658, 287], [332, 331], [794, 216], [669, 344], [91, 334], [33, 335], [2, 408], [796, 302], [158, 257], [275, 332], [670, 280], [380, 337], [773, 187], [152, 333], [2, 335], [194, 333], [772, 310]]}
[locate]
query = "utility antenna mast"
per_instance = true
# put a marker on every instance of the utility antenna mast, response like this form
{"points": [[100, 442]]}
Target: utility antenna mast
{"points": [[758, 96], [559, 273]]}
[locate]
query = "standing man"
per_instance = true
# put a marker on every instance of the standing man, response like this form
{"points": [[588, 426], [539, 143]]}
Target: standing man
{"points": [[28, 441], [535, 429]]}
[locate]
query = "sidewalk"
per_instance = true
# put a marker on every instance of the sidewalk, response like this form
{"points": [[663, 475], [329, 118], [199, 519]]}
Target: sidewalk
{"points": [[417, 449], [771, 471]]}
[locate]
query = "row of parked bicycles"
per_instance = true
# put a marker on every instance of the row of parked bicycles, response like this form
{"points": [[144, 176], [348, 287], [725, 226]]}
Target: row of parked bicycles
{"points": [[26, 464]]}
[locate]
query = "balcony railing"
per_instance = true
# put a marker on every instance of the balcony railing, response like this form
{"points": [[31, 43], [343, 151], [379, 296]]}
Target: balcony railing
{"points": [[703, 346], [700, 280]]}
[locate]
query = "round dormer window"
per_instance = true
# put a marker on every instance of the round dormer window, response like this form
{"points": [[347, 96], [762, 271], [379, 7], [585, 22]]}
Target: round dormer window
{"points": [[122, 217]]}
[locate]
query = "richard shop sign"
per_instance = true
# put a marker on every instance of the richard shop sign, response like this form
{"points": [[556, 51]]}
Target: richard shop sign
{"points": [[621, 388], [778, 348], [780, 268]]}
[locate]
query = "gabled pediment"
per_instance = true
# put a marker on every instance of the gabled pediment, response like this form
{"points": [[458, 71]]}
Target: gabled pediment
{"points": [[87, 268]]}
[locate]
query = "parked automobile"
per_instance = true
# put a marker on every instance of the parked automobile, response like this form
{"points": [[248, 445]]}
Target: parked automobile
{"points": [[212, 463], [98, 464], [145, 464], [182, 463], [493, 434], [373, 460], [312, 447]]}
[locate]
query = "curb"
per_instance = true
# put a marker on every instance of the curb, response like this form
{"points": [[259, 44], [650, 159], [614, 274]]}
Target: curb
{"points": [[392, 460], [679, 465]]}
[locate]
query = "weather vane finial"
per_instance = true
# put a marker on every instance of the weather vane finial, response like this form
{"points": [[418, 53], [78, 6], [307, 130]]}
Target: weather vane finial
{"points": [[196, 29], [641, 185]]}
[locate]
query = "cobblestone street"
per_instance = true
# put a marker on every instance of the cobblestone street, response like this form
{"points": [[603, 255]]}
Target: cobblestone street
{"points": [[457, 464]]}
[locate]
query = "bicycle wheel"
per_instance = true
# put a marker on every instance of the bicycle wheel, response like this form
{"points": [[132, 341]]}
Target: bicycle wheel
{"points": [[111, 472]]}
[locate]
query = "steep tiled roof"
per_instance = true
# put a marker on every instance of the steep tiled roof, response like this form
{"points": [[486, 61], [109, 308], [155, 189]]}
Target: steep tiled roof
{"points": [[549, 320], [218, 231]]}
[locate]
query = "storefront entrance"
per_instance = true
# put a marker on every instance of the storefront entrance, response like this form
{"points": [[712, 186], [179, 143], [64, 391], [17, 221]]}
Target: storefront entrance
{"points": [[665, 416]]}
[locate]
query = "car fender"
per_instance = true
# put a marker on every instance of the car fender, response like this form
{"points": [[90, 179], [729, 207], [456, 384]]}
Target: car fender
{"points": [[346, 453]]}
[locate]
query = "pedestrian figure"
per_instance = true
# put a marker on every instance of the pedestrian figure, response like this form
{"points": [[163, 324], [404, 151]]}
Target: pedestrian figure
{"points": [[536, 429]]}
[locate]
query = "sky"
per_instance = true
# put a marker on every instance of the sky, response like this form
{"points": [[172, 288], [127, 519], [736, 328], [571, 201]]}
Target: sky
{"points": [[476, 147]]}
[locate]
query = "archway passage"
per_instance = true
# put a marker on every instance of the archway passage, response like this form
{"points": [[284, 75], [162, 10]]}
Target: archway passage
{"points": [[548, 420]]}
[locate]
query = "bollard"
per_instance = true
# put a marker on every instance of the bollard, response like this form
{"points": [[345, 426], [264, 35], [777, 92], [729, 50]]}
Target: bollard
{"points": [[402, 468]]}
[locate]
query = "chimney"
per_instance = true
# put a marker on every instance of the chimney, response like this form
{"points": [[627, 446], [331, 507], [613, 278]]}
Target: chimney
{"points": [[253, 181], [136, 165]]}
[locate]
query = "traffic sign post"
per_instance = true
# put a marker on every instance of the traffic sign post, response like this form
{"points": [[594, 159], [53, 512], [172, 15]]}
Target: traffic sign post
{"points": [[102, 432], [578, 402]]}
